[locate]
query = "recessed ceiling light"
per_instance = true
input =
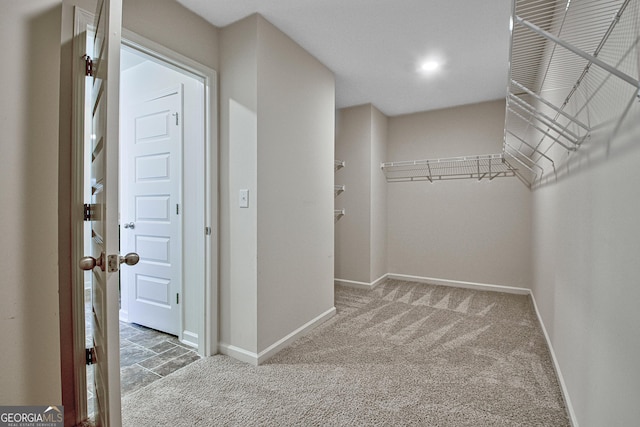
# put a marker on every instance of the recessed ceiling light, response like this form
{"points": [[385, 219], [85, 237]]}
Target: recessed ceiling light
{"points": [[429, 66]]}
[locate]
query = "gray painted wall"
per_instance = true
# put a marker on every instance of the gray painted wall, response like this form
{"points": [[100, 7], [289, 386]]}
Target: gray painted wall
{"points": [[238, 170], [277, 121], [378, 233], [296, 113], [361, 235], [172, 25], [586, 248], [586, 243], [29, 325], [462, 230], [352, 231], [586, 252]]}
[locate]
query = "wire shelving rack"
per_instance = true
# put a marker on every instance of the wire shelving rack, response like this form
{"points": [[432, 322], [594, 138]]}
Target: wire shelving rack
{"points": [[574, 74], [487, 166]]}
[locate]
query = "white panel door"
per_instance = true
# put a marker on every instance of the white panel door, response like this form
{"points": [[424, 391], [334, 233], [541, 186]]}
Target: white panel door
{"points": [[104, 224], [151, 213]]}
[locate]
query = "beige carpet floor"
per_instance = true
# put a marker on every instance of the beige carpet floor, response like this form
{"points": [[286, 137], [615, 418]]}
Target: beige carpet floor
{"points": [[404, 354]]}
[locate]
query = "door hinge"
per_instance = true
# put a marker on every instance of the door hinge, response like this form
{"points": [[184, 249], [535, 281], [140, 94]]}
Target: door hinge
{"points": [[90, 355], [177, 209], [177, 118], [177, 298], [88, 65], [207, 231], [88, 212]]}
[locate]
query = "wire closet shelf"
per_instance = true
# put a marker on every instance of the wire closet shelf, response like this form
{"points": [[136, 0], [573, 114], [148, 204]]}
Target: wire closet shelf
{"points": [[488, 166], [574, 75]]}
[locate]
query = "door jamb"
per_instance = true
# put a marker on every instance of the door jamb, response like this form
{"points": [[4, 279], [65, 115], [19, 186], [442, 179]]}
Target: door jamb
{"points": [[208, 333]]}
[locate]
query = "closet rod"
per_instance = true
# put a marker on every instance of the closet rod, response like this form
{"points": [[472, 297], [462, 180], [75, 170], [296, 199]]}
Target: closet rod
{"points": [[535, 150], [542, 131], [550, 105], [548, 121]]}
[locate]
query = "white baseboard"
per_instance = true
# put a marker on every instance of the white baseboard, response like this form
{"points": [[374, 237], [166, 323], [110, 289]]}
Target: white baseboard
{"points": [[190, 338], [270, 351], [238, 353], [461, 284], [259, 358], [556, 367], [360, 285]]}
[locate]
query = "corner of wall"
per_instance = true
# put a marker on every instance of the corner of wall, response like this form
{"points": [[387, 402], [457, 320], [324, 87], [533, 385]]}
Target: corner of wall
{"points": [[378, 188], [353, 230], [296, 114], [238, 170]]}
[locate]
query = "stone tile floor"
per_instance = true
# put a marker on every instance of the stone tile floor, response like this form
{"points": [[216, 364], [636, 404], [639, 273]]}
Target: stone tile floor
{"points": [[146, 355]]}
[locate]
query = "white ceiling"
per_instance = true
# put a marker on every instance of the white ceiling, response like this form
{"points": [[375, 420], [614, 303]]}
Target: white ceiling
{"points": [[374, 47]]}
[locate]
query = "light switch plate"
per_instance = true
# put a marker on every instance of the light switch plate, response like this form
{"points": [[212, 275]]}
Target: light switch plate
{"points": [[244, 198]]}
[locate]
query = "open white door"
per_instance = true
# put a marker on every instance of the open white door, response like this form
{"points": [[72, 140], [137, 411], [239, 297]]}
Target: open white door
{"points": [[103, 213], [151, 209]]}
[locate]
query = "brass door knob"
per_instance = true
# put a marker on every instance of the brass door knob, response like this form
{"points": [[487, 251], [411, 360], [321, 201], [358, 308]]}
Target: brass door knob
{"points": [[88, 263], [131, 258]]}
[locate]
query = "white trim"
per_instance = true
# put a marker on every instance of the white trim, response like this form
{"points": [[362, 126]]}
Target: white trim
{"points": [[238, 353], [259, 358], [189, 338], [166, 55], [352, 284], [361, 285], [270, 351], [556, 366], [461, 284], [379, 280], [208, 336]]}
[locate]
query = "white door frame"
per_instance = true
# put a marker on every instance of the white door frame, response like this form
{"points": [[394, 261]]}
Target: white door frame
{"points": [[208, 334]]}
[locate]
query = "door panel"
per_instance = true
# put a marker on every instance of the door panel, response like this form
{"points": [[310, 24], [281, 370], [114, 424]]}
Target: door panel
{"points": [[153, 290], [153, 168], [156, 249], [104, 224], [151, 200], [153, 208]]}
